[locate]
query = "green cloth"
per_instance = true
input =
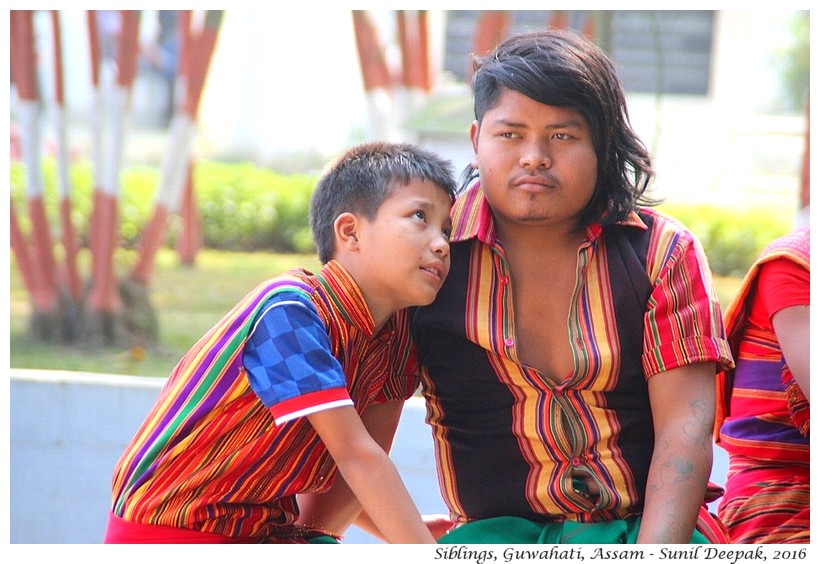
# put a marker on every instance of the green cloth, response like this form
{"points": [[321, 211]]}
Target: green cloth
{"points": [[322, 539], [517, 530]]}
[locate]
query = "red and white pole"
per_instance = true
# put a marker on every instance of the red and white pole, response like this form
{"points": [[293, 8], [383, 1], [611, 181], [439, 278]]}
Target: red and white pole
{"points": [[24, 69], [104, 296], [175, 189], [70, 243], [376, 77]]}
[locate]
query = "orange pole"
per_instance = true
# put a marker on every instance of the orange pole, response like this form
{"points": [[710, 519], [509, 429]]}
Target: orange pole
{"points": [[559, 19], [21, 253], [425, 75], [375, 72], [19, 244], [151, 240], [199, 56], [191, 237], [413, 42], [492, 27]]}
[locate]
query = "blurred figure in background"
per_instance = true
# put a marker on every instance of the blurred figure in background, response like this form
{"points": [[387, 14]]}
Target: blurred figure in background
{"points": [[763, 404]]}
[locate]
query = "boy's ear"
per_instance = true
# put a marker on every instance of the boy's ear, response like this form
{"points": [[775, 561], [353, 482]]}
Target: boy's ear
{"points": [[346, 230]]}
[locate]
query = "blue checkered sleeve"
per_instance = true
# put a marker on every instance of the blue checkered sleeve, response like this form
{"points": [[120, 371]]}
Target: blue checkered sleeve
{"points": [[288, 353]]}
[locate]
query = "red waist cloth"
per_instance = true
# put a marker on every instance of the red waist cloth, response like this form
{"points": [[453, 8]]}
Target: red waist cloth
{"points": [[120, 531]]}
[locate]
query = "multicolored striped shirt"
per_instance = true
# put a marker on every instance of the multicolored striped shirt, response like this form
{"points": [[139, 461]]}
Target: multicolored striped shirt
{"points": [[754, 416], [508, 440], [226, 447], [763, 416]]}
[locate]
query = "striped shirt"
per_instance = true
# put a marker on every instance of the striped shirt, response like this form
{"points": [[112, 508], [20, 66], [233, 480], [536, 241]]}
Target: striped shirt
{"points": [[763, 416], [226, 447], [507, 439], [755, 418]]}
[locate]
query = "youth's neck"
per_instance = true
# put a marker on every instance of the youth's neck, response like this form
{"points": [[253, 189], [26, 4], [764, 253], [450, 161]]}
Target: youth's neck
{"points": [[540, 238]]}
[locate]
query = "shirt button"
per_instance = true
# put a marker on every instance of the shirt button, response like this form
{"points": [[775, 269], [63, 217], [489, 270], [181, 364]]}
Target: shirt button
{"points": [[509, 342], [558, 390], [576, 461], [505, 280]]}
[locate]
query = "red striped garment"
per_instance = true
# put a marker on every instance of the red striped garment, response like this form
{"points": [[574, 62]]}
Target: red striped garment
{"points": [[507, 439], [210, 457], [763, 417]]}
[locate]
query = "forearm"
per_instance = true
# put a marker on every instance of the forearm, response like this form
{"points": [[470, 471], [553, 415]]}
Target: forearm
{"points": [[399, 520], [675, 489], [359, 447]]}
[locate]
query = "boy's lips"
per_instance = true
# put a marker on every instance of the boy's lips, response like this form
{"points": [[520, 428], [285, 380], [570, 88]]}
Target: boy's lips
{"points": [[437, 268]]}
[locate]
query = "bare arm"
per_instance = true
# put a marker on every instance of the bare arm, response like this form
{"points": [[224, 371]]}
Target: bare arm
{"points": [[683, 410], [359, 446], [791, 325], [336, 509]]}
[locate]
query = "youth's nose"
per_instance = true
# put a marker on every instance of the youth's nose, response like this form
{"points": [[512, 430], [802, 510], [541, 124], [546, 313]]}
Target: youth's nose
{"points": [[535, 156]]}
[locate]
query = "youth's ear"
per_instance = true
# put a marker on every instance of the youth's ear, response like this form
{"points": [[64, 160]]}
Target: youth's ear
{"points": [[474, 130], [346, 231]]}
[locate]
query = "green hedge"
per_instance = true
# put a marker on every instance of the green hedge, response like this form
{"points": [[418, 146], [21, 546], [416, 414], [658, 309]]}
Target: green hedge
{"points": [[733, 238], [250, 208], [241, 206]]}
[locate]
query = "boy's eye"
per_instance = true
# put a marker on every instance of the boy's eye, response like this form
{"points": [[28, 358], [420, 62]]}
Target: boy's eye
{"points": [[420, 214], [447, 233]]}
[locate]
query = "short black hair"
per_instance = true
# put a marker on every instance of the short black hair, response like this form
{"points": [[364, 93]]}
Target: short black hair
{"points": [[565, 69], [363, 177]]}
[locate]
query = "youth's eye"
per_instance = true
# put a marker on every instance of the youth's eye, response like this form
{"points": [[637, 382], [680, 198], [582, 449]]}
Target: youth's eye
{"points": [[419, 214], [447, 232], [562, 136], [508, 135]]}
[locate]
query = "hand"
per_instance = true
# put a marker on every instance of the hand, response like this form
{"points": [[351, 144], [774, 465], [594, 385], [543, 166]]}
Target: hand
{"points": [[438, 524]]}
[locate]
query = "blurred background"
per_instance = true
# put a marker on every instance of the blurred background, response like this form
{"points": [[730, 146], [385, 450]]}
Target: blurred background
{"points": [[720, 96]]}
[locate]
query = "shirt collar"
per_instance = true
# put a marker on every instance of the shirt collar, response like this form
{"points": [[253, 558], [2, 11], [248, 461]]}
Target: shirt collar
{"points": [[346, 297], [473, 219]]}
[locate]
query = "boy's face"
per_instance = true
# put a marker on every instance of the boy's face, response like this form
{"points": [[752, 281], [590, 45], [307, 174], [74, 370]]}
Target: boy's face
{"points": [[405, 248], [537, 163]]}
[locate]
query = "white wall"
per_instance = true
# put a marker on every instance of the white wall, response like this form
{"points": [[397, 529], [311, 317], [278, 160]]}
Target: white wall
{"points": [[68, 429]]}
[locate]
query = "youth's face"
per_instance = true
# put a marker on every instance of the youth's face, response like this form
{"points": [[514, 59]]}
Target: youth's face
{"points": [[406, 247], [537, 163]]}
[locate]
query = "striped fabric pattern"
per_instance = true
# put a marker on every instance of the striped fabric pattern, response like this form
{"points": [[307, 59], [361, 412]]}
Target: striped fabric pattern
{"points": [[507, 439], [209, 455], [762, 419]]}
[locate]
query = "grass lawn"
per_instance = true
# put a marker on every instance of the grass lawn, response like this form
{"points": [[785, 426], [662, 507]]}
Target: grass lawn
{"points": [[188, 301]]}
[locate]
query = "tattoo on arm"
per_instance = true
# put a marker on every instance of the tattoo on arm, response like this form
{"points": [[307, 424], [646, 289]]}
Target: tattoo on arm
{"points": [[697, 429]]}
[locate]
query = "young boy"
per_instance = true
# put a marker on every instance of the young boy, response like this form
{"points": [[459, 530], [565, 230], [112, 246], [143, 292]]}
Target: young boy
{"points": [[305, 375]]}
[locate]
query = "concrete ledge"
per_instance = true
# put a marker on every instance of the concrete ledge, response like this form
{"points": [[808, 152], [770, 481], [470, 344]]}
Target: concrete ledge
{"points": [[67, 430]]}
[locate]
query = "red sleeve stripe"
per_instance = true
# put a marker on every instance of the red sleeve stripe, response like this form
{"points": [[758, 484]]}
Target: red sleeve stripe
{"points": [[310, 403]]}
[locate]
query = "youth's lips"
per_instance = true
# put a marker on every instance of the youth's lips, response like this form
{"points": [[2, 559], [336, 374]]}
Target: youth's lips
{"points": [[536, 181]]}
